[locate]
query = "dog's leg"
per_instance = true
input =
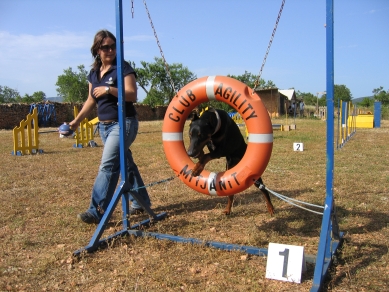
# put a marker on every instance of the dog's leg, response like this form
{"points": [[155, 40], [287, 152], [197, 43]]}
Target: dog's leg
{"points": [[259, 184], [227, 211], [199, 166], [269, 205]]}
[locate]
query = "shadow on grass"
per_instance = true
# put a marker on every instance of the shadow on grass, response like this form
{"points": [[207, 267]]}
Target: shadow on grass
{"points": [[288, 219]]}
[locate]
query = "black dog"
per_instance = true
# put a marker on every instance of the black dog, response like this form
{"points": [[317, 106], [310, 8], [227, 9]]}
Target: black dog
{"points": [[216, 130]]}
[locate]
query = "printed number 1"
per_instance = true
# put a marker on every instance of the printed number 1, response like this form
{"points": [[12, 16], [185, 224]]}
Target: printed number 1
{"points": [[285, 253]]}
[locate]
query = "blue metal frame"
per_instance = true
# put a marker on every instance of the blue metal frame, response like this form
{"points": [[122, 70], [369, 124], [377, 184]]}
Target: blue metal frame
{"points": [[330, 237]]}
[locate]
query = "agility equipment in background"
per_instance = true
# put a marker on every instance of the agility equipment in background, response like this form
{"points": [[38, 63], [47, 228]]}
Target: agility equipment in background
{"points": [[46, 113], [346, 123], [84, 133], [26, 136]]}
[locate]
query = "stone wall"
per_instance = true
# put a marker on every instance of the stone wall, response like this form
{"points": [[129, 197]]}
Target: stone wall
{"points": [[12, 114]]}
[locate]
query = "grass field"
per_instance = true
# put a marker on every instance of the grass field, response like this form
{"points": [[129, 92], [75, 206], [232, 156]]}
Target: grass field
{"points": [[42, 194]]}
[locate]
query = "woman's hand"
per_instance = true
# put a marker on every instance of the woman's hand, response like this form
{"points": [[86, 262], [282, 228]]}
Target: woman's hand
{"points": [[89, 105], [99, 91], [74, 125]]}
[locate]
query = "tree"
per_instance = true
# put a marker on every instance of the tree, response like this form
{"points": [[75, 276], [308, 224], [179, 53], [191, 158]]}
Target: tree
{"points": [[8, 95], [341, 93], [27, 98], [39, 96], [366, 102], [309, 98], [36, 97], [323, 101], [249, 79], [73, 86], [381, 95], [156, 82]]}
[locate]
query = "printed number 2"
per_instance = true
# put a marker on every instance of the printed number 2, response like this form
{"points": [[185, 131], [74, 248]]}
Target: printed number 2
{"points": [[285, 253], [298, 147]]}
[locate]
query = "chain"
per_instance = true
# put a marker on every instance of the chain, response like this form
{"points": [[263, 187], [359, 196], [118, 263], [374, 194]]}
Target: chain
{"points": [[160, 49], [154, 183], [268, 48], [132, 8]]}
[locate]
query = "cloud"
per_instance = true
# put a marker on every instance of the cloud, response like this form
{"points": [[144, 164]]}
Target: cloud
{"points": [[27, 46], [34, 62]]}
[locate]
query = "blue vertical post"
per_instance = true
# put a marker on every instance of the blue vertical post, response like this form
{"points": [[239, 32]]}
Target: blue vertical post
{"points": [[325, 248], [121, 104], [339, 124], [120, 80], [377, 114], [344, 121]]}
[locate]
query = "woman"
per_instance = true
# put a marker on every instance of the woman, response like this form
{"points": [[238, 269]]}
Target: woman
{"points": [[103, 92]]}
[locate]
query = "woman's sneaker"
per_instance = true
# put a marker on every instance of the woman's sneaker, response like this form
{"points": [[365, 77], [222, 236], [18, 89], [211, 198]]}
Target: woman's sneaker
{"points": [[135, 211], [88, 218]]}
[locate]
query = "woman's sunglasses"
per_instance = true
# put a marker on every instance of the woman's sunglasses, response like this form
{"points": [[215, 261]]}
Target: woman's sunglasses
{"points": [[106, 48]]}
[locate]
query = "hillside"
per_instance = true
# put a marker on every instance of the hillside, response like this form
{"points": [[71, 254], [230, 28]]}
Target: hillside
{"points": [[359, 99]]}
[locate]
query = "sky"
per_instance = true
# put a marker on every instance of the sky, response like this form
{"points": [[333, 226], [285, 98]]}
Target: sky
{"points": [[39, 39]]}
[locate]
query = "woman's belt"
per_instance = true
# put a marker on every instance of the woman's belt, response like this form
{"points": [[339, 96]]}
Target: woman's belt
{"points": [[108, 122]]}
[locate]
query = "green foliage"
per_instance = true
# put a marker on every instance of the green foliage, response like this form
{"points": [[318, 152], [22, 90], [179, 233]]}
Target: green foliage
{"points": [[217, 105], [385, 112], [39, 96], [8, 95], [341, 93], [73, 86], [36, 97], [381, 95], [249, 79], [366, 102], [27, 98], [156, 82], [309, 98], [323, 101]]}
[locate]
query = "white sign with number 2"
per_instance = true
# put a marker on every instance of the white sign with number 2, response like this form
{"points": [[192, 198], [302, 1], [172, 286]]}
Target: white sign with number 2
{"points": [[298, 146]]}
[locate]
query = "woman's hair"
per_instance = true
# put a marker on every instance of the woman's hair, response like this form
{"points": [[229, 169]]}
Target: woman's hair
{"points": [[99, 38]]}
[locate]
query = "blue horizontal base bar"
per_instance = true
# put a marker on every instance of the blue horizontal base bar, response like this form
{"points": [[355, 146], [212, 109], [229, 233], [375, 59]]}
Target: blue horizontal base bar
{"points": [[122, 233]]}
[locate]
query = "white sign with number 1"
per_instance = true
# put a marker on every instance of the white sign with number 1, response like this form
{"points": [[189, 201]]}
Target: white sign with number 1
{"points": [[285, 262]]}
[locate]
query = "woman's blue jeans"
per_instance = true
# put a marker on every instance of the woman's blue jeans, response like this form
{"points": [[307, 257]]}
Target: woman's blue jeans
{"points": [[109, 170]]}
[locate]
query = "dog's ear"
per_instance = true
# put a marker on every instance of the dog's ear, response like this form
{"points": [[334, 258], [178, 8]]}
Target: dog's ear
{"points": [[194, 116]]}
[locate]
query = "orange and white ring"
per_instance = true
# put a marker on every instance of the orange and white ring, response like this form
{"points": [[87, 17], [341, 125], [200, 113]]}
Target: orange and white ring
{"points": [[260, 135]]}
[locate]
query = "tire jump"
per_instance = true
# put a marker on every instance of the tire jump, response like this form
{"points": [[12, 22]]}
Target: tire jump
{"points": [[260, 135]]}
